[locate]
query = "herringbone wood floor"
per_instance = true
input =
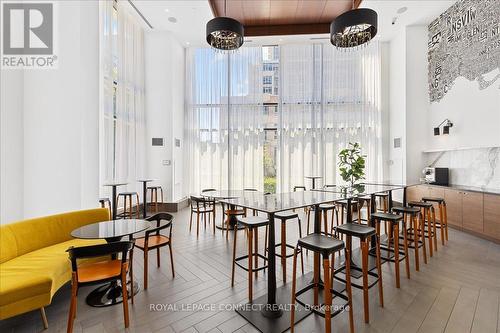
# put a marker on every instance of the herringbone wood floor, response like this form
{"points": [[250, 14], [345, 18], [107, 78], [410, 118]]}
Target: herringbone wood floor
{"points": [[457, 291]]}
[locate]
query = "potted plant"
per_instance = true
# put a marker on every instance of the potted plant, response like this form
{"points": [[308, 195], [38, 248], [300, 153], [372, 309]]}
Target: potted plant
{"points": [[352, 164]]}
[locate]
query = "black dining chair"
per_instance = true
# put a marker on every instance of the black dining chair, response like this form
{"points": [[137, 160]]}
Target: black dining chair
{"points": [[85, 274], [204, 208], [154, 240]]}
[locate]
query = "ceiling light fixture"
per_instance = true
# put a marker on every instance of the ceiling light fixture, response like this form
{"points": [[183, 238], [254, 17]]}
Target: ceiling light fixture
{"points": [[354, 28], [225, 33]]}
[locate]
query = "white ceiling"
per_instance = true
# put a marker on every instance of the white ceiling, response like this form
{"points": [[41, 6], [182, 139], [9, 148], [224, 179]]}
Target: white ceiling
{"points": [[192, 15]]}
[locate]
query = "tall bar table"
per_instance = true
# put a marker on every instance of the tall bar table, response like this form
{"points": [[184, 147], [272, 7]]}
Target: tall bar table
{"points": [[113, 186], [270, 313], [144, 195]]}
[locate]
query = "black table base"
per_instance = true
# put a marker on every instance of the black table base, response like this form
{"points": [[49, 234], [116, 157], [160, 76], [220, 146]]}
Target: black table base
{"points": [[257, 314], [109, 294]]}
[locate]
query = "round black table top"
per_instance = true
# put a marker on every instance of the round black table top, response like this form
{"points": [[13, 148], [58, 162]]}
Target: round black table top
{"points": [[115, 184], [313, 177], [114, 229], [145, 180]]}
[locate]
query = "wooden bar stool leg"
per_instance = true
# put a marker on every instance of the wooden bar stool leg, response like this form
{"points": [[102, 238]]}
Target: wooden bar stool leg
{"points": [[421, 231], [250, 266], [441, 222], [327, 294], [415, 241], [395, 230], [405, 247], [427, 214], [364, 261], [138, 210], [301, 254], [445, 214], [379, 270], [256, 248], [234, 255], [434, 228], [325, 217], [283, 250], [348, 285], [294, 285]]}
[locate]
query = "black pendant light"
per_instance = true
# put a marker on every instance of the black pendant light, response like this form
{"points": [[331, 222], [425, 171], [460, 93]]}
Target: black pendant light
{"points": [[225, 33], [353, 28]]}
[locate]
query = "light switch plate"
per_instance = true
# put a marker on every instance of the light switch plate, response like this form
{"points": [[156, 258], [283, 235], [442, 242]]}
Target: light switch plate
{"points": [[166, 162]]}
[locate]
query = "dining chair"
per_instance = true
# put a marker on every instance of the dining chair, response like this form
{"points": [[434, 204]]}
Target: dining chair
{"points": [[99, 272], [154, 240], [201, 207]]}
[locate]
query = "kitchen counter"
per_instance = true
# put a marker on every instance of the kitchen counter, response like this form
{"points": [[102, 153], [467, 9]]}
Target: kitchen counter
{"points": [[479, 189]]}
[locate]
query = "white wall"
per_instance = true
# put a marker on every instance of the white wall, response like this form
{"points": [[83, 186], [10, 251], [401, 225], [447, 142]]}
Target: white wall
{"points": [[164, 110], [397, 108], [475, 115], [417, 101], [56, 122]]}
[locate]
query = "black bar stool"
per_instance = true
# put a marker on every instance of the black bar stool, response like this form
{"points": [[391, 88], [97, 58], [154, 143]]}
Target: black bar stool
{"points": [[417, 228], [443, 217], [363, 232], [393, 220], [364, 201], [326, 246], [429, 221], [283, 245], [127, 198], [251, 223]]}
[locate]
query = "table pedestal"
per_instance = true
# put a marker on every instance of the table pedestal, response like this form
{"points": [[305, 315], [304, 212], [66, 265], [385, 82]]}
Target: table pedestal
{"points": [[109, 294]]}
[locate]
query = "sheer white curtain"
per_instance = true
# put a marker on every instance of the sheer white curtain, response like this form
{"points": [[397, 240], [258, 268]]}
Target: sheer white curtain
{"points": [[206, 119], [122, 143], [224, 133], [328, 99], [351, 108], [300, 149], [246, 119]]}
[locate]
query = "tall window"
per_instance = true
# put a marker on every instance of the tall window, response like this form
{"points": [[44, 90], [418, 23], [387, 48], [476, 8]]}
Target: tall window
{"points": [[280, 113], [122, 121]]}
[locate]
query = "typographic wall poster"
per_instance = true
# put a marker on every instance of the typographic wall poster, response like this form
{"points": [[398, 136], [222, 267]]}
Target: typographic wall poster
{"points": [[464, 41]]}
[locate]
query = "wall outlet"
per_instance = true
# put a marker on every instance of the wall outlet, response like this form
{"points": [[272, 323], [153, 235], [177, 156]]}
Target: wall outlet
{"points": [[166, 162]]}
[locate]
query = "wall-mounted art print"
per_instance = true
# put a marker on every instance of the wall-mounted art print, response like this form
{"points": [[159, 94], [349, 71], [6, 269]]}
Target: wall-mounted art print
{"points": [[464, 41]]}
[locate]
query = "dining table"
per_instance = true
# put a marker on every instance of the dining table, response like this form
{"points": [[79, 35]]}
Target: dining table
{"points": [[111, 231], [270, 313], [225, 195]]}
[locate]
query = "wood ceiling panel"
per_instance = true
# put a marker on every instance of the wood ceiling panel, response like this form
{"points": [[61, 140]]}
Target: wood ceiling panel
{"points": [[282, 17]]}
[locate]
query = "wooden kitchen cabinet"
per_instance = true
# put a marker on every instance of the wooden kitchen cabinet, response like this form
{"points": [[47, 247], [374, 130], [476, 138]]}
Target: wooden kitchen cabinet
{"points": [[453, 200], [492, 216], [472, 211], [416, 193]]}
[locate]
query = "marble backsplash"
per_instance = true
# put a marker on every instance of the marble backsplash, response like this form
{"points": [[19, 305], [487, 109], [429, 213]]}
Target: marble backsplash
{"points": [[471, 167]]}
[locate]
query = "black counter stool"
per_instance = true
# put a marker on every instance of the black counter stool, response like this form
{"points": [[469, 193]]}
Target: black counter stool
{"points": [[363, 232], [382, 205], [105, 203], [284, 217], [251, 223], [416, 226], [325, 246], [127, 199], [443, 217], [393, 220], [153, 196], [430, 222]]}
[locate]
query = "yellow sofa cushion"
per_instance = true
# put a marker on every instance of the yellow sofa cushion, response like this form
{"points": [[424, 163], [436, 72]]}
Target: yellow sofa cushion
{"points": [[34, 263], [26, 236]]}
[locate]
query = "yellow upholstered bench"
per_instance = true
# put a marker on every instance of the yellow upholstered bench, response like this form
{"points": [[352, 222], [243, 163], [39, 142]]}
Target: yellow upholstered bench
{"points": [[34, 263]]}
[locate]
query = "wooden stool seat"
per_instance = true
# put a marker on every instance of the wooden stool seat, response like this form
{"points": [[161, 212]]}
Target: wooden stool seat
{"points": [[433, 199], [287, 215], [408, 210], [420, 204], [387, 217], [153, 241], [253, 221]]}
